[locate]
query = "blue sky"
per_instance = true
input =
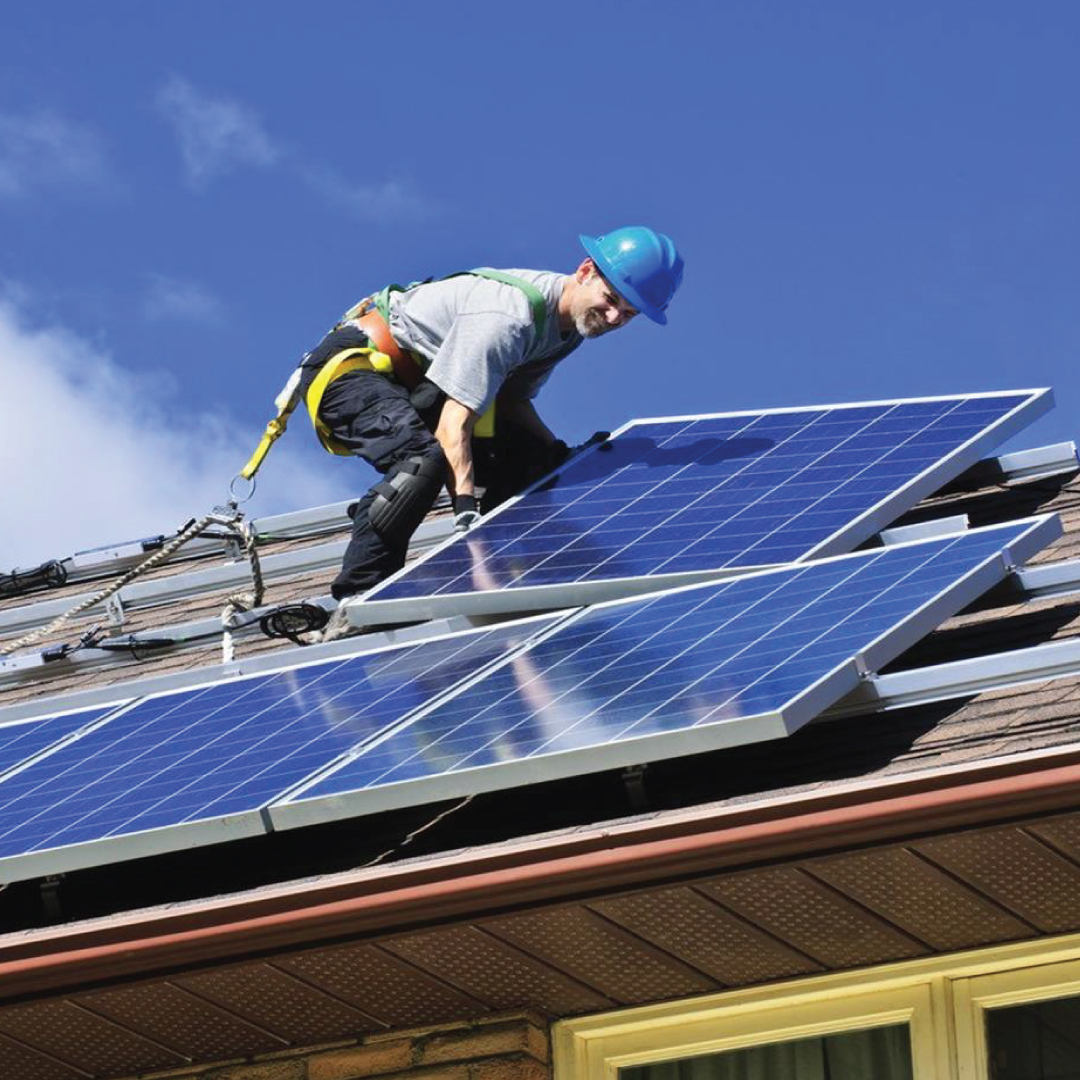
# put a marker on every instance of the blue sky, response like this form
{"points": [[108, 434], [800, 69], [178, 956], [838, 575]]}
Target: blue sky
{"points": [[872, 200]]}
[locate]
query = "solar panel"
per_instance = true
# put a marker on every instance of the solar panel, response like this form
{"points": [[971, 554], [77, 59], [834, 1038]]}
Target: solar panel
{"points": [[671, 501], [195, 766], [25, 739], [681, 672]]}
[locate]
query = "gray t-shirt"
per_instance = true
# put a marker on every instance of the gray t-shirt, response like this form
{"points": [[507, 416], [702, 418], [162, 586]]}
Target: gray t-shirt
{"points": [[479, 335]]}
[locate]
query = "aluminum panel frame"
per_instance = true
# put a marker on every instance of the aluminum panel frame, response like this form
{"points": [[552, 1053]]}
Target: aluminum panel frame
{"points": [[114, 849], [961, 678], [533, 598]]}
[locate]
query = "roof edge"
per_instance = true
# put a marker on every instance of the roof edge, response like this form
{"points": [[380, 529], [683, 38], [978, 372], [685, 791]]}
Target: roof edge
{"points": [[482, 882]]}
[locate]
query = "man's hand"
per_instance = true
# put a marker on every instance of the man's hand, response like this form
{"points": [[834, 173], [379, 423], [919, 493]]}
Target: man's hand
{"points": [[466, 512]]}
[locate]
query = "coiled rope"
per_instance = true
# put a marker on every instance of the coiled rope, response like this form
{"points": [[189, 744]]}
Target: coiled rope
{"points": [[229, 518]]}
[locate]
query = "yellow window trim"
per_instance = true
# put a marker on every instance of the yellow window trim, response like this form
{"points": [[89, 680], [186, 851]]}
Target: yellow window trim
{"points": [[943, 999], [975, 996]]}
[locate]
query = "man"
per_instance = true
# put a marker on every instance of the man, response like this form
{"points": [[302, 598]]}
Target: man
{"points": [[434, 383]]}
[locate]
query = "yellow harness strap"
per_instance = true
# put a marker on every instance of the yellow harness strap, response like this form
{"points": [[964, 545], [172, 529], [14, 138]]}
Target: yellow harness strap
{"points": [[286, 401], [274, 430], [341, 364], [484, 428]]}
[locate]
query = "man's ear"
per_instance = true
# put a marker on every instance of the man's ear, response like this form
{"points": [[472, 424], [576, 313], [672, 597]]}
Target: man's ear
{"points": [[585, 271]]}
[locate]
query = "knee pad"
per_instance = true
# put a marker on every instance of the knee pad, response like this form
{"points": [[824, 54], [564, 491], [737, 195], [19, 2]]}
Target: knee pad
{"points": [[404, 497]]}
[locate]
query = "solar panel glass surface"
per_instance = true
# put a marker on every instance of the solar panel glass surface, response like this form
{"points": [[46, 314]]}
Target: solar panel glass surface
{"points": [[709, 659], [25, 739], [721, 492], [229, 747]]}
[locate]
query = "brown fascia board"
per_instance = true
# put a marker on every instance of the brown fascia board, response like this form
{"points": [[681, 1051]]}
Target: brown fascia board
{"points": [[565, 867]]}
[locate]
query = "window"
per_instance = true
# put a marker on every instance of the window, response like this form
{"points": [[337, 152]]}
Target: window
{"points": [[881, 1053], [1021, 1024], [1035, 1042], [1008, 1013]]}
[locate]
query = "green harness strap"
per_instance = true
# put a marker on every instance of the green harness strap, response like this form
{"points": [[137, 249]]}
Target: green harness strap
{"points": [[535, 297], [537, 303]]}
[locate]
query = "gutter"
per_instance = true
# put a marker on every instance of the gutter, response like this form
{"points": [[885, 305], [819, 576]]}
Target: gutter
{"points": [[481, 883]]}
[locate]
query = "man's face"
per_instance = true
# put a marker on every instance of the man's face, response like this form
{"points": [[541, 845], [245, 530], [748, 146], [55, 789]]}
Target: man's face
{"points": [[598, 307]]}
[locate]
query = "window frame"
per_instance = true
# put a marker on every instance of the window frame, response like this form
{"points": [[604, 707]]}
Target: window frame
{"points": [[943, 999], [977, 995]]}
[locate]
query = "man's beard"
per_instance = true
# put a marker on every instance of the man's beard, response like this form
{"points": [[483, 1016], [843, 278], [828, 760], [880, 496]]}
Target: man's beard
{"points": [[590, 323]]}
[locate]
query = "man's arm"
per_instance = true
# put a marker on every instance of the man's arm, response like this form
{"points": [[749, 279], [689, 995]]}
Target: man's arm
{"points": [[454, 435]]}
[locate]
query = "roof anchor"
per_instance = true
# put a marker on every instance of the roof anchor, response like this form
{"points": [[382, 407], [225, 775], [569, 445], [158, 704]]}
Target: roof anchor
{"points": [[114, 608], [234, 550]]}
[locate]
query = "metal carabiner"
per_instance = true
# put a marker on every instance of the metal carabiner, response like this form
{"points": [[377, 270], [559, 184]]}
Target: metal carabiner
{"points": [[234, 499]]}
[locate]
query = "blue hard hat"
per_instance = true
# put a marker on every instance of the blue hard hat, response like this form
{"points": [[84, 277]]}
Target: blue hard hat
{"points": [[641, 265]]}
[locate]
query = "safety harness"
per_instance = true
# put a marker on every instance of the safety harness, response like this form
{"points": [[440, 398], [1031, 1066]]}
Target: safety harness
{"points": [[372, 316]]}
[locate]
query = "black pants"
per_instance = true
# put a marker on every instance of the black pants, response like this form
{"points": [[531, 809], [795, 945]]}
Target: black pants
{"points": [[381, 422], [373, 417]]}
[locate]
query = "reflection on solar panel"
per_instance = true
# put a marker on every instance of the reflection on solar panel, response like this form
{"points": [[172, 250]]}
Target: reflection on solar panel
{"points": [[706, 666], [27, 738], [218, 753], [633, 680], [700, 495]]}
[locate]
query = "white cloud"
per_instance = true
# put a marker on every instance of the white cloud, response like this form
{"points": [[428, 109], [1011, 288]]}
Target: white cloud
{"points": [[43, 151], [216, 135], [90, 455], [394, 200], [170, 299], [219, 135]]}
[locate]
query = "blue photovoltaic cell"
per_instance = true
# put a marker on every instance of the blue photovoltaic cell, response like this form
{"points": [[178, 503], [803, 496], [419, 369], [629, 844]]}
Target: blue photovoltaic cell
{"points": [[204, 753], [728, 491], [709, 655], [25, 738]]}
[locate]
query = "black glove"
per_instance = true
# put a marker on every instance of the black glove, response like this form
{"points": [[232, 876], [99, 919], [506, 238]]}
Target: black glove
{"points": [[557, 453], [597, 437], [466, 512]]}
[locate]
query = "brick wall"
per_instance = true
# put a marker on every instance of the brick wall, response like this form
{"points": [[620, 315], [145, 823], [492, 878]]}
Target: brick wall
{"points": [[501, 1048]]}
